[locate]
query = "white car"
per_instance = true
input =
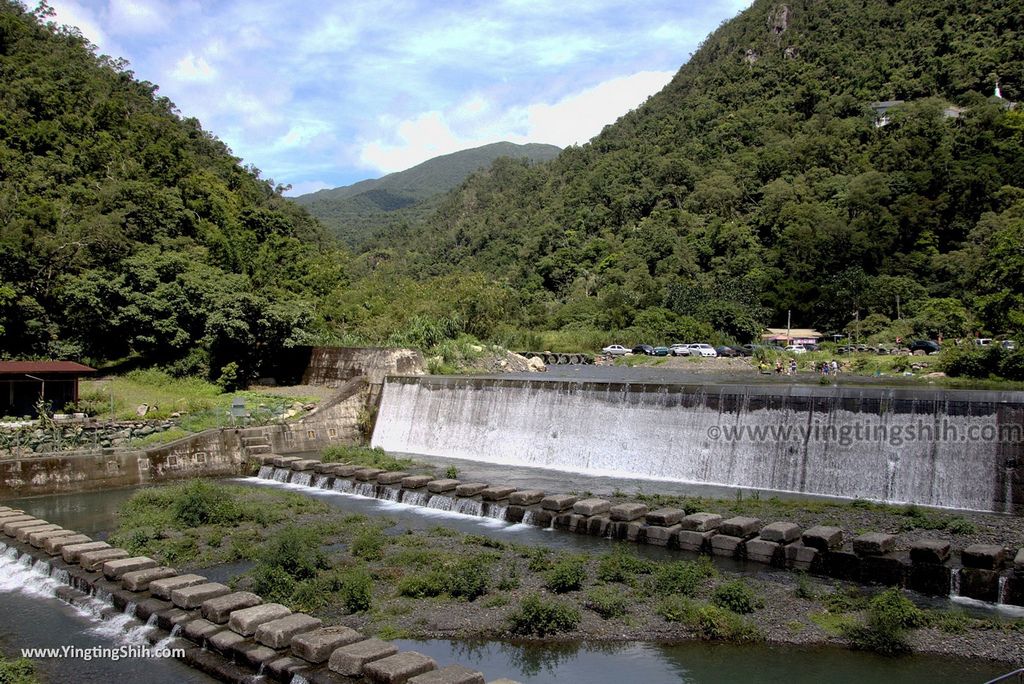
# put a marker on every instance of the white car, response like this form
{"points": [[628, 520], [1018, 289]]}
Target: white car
{"points": [[679, 350], [797, 349], [615, 350], [702, 349]]}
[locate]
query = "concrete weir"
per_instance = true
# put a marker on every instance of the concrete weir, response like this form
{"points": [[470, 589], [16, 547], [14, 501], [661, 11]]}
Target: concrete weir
{"points": [[954, 449]]}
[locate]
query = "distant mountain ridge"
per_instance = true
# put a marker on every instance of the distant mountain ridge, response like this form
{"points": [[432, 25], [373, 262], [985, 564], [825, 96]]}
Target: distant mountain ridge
{"points": [[356, 212]]}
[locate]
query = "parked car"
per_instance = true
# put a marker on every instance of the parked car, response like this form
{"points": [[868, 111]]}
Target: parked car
{"points": [[810, 346], [727, 352], [927, 346], [983, 341], [614, 350], [1009, 345], [661, 351], [679, 350], [702, 349], [645, 349], [796, 349]]}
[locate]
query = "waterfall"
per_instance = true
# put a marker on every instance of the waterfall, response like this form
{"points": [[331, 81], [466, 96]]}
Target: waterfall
{"points": [[469, 507], [495, 511], [440, 502], [365, 489], [954, 583], [414, 498], [1001, 595], [303, 478], [904, 445], [265, 472], [282, 474], [320, 481], [342, 485], [299, 679], [392, 494], [165, 643]]}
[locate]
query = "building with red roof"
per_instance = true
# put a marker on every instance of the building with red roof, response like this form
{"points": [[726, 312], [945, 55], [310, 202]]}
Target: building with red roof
{"points": [[23, 383]]}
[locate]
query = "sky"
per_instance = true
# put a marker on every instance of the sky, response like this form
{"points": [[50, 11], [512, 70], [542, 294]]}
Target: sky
{"points": [[324, 94]]}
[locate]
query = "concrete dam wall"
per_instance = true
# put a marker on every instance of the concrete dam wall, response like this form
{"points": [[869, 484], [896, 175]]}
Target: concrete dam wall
{"points": [[957, 449]]}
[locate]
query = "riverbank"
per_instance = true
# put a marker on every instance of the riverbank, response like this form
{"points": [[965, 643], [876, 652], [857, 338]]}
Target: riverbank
{"points": [[360, 572]]}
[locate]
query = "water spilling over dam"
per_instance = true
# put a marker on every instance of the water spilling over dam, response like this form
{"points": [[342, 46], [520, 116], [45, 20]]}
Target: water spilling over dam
{"points": [[948, 448]]}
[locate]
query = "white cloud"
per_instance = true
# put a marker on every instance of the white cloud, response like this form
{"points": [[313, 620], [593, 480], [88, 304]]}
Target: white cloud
{"points": [[193, 69], [70, 13], [572, 120], [306, 187], [136, 17]]}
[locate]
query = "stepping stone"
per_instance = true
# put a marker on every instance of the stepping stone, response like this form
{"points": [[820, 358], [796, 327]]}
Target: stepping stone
{"points": [[11, 525], [701, 522], [23, 533], [367, 474], [443, 485], [740, 526], [219, 609], [38, 539], [55, 545], [415, 481], [349, 660], [526, 497], [470, 488], [116, 569], [983, 556], [453, 674], [762, 550], [780, 532], [278, 633], [726, 545], [303, 464], [193, 596], [391, 478], [399, 668], [162, 588], [247, 620], [345, 470], [558, 502], [139, 580], [71, 552], [496, 492], [199, 630], [591, 507], [933, 551], [874, 544], [665, 517], [225, 641], [626, 512], [94, 560], [823, 538], [316, 646]]}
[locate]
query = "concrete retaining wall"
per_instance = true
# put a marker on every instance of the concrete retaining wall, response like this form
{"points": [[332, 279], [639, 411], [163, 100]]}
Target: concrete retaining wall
{"points": [[333, 366]]}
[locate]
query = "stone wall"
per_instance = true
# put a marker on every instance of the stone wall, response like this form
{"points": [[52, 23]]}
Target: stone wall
{"points": [[333, 366], [28, 439]]}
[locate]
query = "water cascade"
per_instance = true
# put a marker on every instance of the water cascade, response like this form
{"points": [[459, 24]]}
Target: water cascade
{"points": [[947, 448]]}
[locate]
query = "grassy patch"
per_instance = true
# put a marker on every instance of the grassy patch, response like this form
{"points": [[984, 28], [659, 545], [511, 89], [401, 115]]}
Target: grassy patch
{"points": [[538, 617], [622, 565], [682, 577], [608, 602], [736, 596], [705, 620], [835, 624], [363, 456], [566, 574], [17, 671]]}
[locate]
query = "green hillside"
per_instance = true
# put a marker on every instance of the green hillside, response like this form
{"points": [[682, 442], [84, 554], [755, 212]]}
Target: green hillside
{"points": [[758, 181], [355, 213], [127, 231]]}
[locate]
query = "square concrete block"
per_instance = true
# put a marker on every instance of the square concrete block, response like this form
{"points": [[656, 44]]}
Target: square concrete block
{"points": [[399, 668], [1018, 561], [933, 551], [691, 540], [624, 512], [71, 552], [349, 660], [38, 539], [94, 560], [443, 485], [139, 580], [558, 502], [225, 641], [193, 596], [22, 533], [316, 646], [496, 492], [657, 535], [345, 470], [15, 520], [890, 569], [219, 609], [285, 461], [303, 464], [55, 545], [367, 474], [823, 538], [246, 620], [285, 668], [740, 526], [984, 556], [874, 544], [279, 633], [979, 584], [591, 506], [199, 630], [324, 468], [470, 488], [162, 588], [116, 569], [665, 517], [391, 478], [801, 557], [780, 532], [415, 481], [526, 497], [453, 674], [762, 550], [726, 545], [701, 522]]}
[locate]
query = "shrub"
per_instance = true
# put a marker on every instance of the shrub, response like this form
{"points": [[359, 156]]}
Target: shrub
{"points": [[20, 671], [537, 617], [608, 602], [451, 472], [682, 577], [296, 551], [804, 589], [567, 574], [203, 503], [272, 583], [736, 596], [538, 559], [890, 615], [368, 544], [705, 620], [355, 588], [363, 456], [469, 578], [621, 565]]}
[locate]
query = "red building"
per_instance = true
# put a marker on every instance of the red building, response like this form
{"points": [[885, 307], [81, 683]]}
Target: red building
{"points": [[23, 383]]}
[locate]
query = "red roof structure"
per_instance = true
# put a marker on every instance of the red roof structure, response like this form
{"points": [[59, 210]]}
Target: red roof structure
{"points": [[48, 367]]}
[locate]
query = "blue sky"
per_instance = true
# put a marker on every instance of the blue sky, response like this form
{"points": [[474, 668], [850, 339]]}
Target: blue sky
{"points": [[322, 94]]}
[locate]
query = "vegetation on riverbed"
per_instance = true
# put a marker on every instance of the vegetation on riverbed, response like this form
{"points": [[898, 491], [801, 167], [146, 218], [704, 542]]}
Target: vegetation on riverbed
{"points": [[17, 671], [364, 456]]}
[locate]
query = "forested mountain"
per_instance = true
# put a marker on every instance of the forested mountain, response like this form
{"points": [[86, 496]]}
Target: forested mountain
{"points": [[762, 180], [127, 230], [355, 213]]}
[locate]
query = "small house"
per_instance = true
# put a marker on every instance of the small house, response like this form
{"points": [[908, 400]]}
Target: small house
{"points": [[24, 383]]}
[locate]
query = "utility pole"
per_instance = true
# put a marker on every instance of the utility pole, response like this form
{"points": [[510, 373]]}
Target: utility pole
{"points": [[898, 316], [789, 321]]}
